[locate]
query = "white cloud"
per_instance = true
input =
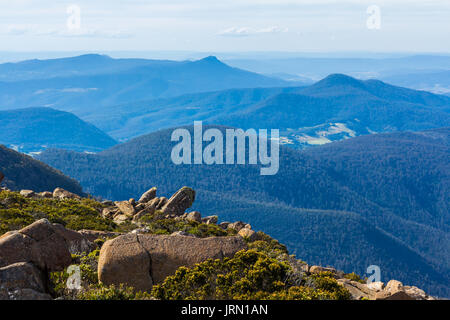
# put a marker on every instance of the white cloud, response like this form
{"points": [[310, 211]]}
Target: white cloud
{"points": [[245, 31], [35, 30]]}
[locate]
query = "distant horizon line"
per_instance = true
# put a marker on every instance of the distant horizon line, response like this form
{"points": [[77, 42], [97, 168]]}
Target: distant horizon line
{"points": [[6, 56]]}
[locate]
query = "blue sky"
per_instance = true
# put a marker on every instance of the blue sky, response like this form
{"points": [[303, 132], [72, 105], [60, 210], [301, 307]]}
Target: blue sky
{"points": [[226, 25]]}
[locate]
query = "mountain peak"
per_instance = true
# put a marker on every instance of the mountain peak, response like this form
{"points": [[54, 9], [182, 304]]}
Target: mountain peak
{"points": [[211, 59], [340, 79]]}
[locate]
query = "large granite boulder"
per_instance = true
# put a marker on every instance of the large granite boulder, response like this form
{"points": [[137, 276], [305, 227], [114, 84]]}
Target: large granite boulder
{"points": [[125, 260], [140, 260], [39, 243]]}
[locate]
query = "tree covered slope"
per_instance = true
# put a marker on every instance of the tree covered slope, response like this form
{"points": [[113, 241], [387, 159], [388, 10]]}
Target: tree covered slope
{"points": [[35, 129], [380, 179]]}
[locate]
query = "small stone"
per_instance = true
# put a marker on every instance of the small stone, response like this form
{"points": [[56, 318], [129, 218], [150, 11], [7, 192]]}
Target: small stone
{"points": [[194, 216], [45, 194], [248, 234], [62, 194], [126, 208], [319, 269], [109, 212], [27, 193], [237, 225], [210, 220], [224, 225]]}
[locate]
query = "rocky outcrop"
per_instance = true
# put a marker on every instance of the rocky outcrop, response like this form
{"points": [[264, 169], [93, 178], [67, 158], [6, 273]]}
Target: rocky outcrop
{"points": [[142, 260], [394, 290], [123, 211], [148, 195], [179, 202]]}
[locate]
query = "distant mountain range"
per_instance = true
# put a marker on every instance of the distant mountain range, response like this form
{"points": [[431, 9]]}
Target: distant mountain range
{"points": [[23, 172], [127, 98], [334, 108], [426, 72], [90, 81], [34, 129], [379, 199]]}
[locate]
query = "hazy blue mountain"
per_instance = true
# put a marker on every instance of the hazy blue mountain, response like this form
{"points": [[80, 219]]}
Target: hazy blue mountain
{"points": [[136, 118], [35, 129], [87, 64], [334, 108], [127, 80], [363, 68], [370, 198], [436, 81], [23, 172]]}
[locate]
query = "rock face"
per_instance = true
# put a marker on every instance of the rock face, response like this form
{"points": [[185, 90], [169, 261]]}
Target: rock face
{"points": [[142, 260], [39, 243], [179, 202], [1, 176]]}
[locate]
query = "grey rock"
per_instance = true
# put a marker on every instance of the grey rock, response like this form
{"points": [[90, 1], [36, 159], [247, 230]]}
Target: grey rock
{"points": [[148, 195], [179, 202]]}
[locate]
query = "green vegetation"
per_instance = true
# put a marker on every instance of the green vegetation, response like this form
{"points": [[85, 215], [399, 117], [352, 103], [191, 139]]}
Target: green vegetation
{"points": [[371, 191], [248, 275], [17, 212], [24, 172], [157, 225], [354, 277], [101, 292], [87, 264]]}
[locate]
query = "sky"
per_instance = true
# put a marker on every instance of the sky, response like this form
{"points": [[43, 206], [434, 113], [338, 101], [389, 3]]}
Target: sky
{"points": [[225, 25]]}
